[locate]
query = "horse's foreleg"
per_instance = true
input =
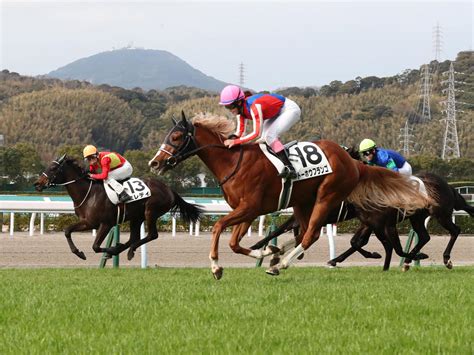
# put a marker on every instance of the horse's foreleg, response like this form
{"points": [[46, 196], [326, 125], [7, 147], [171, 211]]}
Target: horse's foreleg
{"points": [[319, 214], [239, 215], [391, 234], [77, 227], [362, 233], [388, 249], [102, 232], [418, 224], [135, 237], [454, 231]]}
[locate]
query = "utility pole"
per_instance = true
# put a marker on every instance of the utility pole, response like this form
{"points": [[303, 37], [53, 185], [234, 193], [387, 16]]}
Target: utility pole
{"points": [[241, 74], [406, 140], [426, 93], [437, 42], [450, 140]]}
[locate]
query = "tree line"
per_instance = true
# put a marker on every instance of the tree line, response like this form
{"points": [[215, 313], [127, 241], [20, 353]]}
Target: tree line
{"points": [[42, 118]]}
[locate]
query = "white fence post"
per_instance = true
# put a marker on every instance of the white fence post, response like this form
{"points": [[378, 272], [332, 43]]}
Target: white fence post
{"points": [[143, 247], [332, 246], [12, 223], [197, 226], [261, 223], [32, 224], [41, 223]]}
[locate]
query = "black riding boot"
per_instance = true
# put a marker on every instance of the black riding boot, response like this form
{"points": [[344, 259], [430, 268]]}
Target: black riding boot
{"points": [[289, 171], [124, 196]]}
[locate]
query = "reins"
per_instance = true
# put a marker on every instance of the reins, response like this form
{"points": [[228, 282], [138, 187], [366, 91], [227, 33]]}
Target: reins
{"points": [[176, 158], [68, 183]]}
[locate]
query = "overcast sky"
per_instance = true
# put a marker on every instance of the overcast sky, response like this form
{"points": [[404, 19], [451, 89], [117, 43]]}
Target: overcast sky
{"points": [[281, 43]]}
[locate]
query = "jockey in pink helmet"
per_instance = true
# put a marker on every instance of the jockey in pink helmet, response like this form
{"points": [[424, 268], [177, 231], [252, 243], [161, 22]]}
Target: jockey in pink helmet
{"points": [[271, 114]]}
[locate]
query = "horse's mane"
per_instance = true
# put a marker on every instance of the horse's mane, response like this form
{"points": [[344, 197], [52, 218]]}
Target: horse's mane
{"points": [[215, 123], [75, 164]]}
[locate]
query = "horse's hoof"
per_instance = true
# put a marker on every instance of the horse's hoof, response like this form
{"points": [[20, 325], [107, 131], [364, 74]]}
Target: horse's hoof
{"points": [[274, 261], [300, 256], [421, 256], [81, 255], [449, 264], [218, 272], [405, 267], [332, 263], [376, 255], [274, 271], [130, 254]]}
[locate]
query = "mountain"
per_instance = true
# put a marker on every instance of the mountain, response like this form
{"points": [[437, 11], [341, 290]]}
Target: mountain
{"points": [[144, 68]]}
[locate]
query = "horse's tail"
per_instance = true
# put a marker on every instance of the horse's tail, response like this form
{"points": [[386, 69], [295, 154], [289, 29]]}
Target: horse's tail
{"points": [[380, 188], [461, 204], [187, 211]]}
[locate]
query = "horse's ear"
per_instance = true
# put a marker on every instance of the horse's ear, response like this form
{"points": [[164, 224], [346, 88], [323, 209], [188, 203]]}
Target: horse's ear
{"points": [[183, 117], [174, 121], [60, 160]]}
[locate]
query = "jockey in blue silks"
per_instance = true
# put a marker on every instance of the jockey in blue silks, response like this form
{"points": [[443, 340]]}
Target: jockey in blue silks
{"points": [[385, 158]]}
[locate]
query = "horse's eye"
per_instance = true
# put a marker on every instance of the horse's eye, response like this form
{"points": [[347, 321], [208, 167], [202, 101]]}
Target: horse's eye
{"points": [[176, 136]]}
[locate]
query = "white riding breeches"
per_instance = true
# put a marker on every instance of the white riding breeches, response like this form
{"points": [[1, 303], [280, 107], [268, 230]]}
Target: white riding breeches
{"points": [[405, 169], [273, 128], [122, 173]]}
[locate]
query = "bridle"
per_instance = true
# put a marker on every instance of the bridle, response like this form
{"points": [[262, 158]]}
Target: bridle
{"points": [[60, 162], [189, 147]]}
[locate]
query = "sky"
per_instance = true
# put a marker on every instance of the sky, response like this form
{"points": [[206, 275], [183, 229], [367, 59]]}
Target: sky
{"points": [[280, 43]]}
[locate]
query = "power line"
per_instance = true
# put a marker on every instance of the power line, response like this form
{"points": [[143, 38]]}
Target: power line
{"points": [[241, 74]]}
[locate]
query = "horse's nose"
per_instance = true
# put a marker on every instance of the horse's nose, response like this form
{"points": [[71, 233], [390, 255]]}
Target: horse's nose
{"points": [[153, 163]]}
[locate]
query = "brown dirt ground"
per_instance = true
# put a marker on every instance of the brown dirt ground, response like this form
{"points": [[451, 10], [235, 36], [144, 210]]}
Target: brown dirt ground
{"points": [[51, 250]]}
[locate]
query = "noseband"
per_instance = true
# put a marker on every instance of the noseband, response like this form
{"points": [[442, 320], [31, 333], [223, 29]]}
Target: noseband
{"points": [[184, 150]]}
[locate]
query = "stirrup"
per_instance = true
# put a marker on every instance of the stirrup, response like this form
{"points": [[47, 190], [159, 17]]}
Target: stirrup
{"points": [[124, 197], [288, 173]]}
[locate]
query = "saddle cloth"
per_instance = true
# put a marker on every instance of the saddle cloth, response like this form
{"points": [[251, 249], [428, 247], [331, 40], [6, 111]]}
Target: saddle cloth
{"points": [[308, 160], [421, 185], [135, 187]]}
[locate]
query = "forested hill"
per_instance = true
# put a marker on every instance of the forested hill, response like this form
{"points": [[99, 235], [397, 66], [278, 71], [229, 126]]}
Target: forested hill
{"points": [[143, 68], [49, 116]]}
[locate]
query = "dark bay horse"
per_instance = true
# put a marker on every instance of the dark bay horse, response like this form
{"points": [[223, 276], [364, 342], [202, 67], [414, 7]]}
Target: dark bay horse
{"points": [[95, 210], [251, 186]]}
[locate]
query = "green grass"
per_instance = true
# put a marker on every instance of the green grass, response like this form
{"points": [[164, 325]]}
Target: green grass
{"points": [[304, 310]]}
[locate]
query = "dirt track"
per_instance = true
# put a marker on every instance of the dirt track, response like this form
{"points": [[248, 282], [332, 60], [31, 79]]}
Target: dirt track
{"points": [[51, 250]]}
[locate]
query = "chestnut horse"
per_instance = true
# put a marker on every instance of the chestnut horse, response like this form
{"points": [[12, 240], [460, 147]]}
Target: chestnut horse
{"points": [[95, 210], [251, 186]]}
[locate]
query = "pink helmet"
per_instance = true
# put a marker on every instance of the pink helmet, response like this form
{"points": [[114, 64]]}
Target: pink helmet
{"points": [[230, 94]]}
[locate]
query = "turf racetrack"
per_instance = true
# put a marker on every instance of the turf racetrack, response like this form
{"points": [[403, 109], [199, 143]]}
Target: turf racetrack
{"points": [[304, 310]]}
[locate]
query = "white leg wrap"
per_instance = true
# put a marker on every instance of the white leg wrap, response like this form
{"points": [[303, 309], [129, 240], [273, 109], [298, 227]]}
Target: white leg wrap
{"points": [[214, 264], [290, 258], [257, 254]]}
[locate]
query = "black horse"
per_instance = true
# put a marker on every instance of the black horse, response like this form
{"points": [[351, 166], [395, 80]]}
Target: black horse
{"points": [[383, 223], [95, 210]]}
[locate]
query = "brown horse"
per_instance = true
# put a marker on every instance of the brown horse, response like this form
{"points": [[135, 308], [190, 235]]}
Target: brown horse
{"points": [[252, 188], [95, 210]]}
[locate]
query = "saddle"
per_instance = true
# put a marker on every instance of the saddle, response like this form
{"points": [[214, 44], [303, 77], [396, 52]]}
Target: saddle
{"points": [[135, 187], [308, 160]]}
